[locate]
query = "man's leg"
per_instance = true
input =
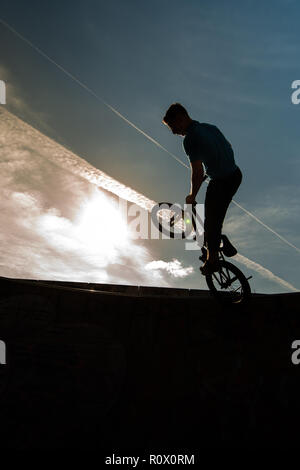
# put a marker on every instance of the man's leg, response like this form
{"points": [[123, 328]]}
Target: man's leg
{"points": [[213, 210], [218, 197]]}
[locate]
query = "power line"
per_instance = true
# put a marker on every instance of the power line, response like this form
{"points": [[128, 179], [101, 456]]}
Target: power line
{"points": [[151, 139]]}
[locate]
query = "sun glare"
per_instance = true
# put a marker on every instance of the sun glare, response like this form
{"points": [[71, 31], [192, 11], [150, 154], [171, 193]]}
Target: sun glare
{"points": [[100, 223]]}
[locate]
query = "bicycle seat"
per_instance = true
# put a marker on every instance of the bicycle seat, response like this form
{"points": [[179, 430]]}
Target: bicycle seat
{"points": [[227, 248]]}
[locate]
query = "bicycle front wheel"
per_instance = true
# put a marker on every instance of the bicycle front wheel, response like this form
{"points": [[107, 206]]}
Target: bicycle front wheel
{"points": [[171, 220], [229, 285]]}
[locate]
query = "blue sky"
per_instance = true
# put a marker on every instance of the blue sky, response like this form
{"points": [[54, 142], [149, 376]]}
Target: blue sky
{"points": [[230, 63]]}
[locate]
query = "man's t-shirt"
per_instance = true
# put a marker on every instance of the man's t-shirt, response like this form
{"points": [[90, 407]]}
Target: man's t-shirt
{"points": [[206, 142]]}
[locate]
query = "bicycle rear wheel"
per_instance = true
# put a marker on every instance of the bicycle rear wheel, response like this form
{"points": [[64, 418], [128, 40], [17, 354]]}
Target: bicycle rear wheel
{"points": [[229, 285]]}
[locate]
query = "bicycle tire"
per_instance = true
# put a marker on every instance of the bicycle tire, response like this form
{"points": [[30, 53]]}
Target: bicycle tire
{"points": [[223, 293]]}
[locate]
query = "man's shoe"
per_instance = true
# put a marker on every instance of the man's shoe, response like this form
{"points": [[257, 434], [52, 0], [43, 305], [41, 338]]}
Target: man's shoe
{"points": [[209, 267], [227, 248]]}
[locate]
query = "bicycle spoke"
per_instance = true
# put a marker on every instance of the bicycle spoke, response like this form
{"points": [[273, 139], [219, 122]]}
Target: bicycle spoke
{"points": [[228, 283]]}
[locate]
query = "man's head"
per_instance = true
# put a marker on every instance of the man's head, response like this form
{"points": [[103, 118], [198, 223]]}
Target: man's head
{"points": [[177, 119]]}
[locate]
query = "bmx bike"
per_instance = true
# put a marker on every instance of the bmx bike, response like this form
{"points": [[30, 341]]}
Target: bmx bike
{"points": [[228, 285]]}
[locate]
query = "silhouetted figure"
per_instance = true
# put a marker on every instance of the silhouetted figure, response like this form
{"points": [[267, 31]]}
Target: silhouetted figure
{"points": [[206, 145]]}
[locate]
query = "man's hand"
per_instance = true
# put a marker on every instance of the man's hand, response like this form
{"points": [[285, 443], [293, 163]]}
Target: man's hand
{"points": [[190, 199]]}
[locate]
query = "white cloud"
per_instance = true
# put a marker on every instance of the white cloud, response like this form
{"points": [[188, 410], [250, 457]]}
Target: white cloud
{"points": [[56, 224], [173, 267]]}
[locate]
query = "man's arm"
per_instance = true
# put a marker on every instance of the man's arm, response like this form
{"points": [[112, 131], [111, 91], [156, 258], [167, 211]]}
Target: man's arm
{"points": [[197, 177]]}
